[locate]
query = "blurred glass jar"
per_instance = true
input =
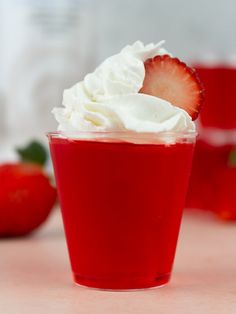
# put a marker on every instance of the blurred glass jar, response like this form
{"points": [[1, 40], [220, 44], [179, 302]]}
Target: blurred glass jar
{"points": [[45, 47]]}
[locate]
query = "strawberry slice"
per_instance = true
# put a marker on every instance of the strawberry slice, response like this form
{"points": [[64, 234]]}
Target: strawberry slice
{"points": [[171, 79]]}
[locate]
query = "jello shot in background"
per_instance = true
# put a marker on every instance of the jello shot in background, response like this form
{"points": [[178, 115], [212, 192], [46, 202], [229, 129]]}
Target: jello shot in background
{"points": [[212, 184]]}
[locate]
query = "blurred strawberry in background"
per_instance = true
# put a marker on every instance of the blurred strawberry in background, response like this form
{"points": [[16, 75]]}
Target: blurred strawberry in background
{"points": [[27, 195]]}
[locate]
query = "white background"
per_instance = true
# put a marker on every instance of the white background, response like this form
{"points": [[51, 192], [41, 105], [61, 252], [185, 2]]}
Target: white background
{"points": [[193, 29]]}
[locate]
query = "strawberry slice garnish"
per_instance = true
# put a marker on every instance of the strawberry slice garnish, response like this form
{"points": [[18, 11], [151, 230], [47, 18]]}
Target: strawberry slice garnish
{"points": [[171, 79]]}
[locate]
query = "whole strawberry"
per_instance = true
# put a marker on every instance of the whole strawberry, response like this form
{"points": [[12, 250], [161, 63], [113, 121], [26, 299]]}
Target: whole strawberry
{"points": [[26, 193]]}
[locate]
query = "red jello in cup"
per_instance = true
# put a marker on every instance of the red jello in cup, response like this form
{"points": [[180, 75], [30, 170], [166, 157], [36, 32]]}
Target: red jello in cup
{"points": [[122, 197]]}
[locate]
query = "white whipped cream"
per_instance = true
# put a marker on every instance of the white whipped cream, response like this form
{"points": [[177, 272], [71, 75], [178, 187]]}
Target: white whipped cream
{"points": [[109, 100]]}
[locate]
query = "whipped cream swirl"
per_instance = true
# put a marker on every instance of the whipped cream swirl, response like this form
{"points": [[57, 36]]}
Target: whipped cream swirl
{"points": [[109, 100]]}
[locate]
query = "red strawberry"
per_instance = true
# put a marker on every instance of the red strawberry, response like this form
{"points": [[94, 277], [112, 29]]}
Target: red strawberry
{"points": [[26, 198], [171, 79], [26, 194]]}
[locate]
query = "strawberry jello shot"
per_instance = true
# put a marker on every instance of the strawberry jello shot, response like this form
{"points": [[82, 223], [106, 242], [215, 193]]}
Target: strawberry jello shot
{"points": [[122, 160]]}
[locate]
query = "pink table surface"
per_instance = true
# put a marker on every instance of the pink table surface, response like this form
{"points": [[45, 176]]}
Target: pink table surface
{"points": [[35, 275]]}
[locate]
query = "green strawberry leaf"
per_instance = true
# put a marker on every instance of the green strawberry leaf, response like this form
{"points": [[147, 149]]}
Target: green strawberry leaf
{"points": [[232, 158], [34, 152]]}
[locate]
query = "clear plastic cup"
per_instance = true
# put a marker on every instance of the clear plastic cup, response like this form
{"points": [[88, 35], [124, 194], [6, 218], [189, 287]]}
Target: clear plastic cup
{"points": [[122, 195]]}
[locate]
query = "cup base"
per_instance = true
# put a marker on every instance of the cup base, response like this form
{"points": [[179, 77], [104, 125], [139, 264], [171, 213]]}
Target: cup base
{"points": [[123, 284]]}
